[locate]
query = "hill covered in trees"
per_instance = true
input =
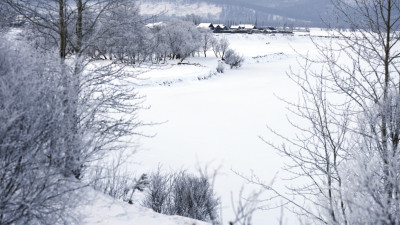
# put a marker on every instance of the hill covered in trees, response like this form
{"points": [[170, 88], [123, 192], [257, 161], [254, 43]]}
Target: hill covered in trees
{"points": [[296, 12]]}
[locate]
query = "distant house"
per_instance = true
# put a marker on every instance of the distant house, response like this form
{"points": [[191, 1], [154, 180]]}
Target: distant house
{"points": [[220, 27], [247, 26], [242, 27], [206, 26], [155, 25]]}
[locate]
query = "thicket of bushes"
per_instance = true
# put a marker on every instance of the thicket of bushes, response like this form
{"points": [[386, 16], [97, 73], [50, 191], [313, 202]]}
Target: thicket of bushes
{"points": [[182, 194], [179, 193]]}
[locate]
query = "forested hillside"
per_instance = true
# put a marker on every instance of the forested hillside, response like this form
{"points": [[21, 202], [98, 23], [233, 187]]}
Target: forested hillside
{"points": [[296, 12]]}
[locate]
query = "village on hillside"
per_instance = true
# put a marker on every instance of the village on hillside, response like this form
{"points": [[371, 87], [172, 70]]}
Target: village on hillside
{"points": [[243, 28]]}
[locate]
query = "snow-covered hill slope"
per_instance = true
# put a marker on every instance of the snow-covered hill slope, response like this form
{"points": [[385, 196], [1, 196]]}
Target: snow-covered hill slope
{"points": [[97, 208]]}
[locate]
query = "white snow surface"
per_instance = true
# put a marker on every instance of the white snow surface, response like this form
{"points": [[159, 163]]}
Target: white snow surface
{"points": [[212, 120], [216, 122], [173, 72]]}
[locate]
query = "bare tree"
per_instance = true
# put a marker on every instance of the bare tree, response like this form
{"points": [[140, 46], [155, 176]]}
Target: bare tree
{"points": [[215, 46], [220, 47], [349, 150], [90, 97], [182, 38], [59, 113], [245, 208], [32, 190], [207, 37], [223, 47]]}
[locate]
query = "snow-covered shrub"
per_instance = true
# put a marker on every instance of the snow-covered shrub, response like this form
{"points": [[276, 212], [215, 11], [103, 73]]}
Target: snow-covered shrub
{"points": [[118, 183], [182, 194], [31, 186], [233, 59], [158, 193], [194, 197], [221, 66]]}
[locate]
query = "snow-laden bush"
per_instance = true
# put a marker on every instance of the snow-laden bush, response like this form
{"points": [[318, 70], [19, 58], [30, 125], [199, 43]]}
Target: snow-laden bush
{"points": [[194, 197], [158, 193], [233, 59], [181, 39], [118, 183], [221, 66], [182, 194], [31, 186]]}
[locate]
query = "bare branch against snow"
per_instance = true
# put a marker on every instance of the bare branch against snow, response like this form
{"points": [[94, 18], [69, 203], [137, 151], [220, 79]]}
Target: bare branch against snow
{"points": [[346, 147]]}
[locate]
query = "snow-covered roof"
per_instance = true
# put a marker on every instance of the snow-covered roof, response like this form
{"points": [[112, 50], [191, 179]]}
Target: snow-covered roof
{"points": [[152, 25], [247, 26], [235, 27], [219, 25], [205, 25]]}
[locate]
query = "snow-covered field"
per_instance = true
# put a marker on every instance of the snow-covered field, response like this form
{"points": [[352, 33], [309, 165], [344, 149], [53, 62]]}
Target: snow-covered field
{"points": [[216, 122]]}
